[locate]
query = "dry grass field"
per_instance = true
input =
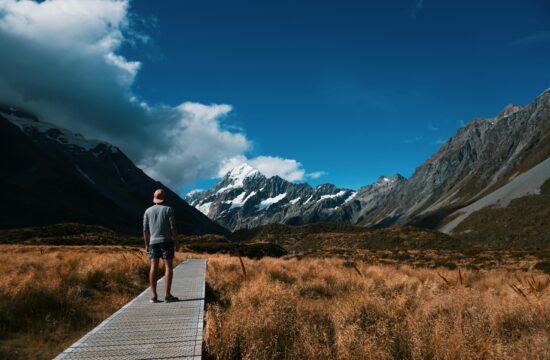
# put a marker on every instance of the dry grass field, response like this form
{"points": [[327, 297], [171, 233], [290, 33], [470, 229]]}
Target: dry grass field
{"points": [[336, 309], [51, 295], [287, 308]]}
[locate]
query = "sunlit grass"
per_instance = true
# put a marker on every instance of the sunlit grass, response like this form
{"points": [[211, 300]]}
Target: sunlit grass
{"points": [[330, 309]]}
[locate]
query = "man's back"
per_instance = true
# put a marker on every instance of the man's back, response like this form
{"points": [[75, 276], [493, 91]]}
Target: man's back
{"points": [[158, 220]]}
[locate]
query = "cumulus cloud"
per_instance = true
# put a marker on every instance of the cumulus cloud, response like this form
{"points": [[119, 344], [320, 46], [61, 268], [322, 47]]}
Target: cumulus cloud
{"points": [[60, 59], [288, 169], [199, 145]]}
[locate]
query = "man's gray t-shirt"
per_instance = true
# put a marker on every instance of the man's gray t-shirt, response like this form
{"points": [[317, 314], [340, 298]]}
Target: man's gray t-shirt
{"points": [[158, 220]]}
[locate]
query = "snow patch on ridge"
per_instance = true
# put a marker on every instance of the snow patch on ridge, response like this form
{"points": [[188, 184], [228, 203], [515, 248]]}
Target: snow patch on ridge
{"points": [[294, 201], [240, 200], [265, 204], [352, 195], [337, 195]]}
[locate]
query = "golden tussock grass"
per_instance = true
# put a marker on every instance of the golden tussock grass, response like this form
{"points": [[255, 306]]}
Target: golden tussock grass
{"points": [[313, 308], [52, 295], [335, 309]]}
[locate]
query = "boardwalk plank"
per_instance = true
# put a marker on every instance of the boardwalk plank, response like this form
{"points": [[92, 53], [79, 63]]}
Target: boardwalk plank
{"points": [[141, 330]]}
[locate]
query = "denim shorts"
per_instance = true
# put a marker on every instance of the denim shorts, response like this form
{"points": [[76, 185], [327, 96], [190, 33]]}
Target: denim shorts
{"points": [[166, 250]]}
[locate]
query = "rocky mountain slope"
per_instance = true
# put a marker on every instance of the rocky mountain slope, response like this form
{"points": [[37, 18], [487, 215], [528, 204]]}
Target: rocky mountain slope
{"points": [[245, 198], [50, 175], [487, 159]]}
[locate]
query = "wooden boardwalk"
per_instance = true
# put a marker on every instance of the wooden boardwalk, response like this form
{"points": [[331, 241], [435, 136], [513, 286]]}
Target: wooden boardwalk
{"points": [[141, 330]]}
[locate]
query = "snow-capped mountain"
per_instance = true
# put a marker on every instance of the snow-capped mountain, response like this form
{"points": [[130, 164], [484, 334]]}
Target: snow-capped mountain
{"points": [[245, 198], [59, 176]]}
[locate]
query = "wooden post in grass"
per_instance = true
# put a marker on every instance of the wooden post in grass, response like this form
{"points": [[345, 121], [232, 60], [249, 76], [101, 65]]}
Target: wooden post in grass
{"points": [[240, 256], [357, 270], [242, 265]]}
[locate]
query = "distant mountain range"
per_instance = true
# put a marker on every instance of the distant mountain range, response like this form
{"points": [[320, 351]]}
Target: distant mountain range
{"points": [[487, 163], [245, 198], [51, 175]]}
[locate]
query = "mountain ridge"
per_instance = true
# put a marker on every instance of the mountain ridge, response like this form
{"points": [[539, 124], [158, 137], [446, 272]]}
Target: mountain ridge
{"points": [[54, 167]]}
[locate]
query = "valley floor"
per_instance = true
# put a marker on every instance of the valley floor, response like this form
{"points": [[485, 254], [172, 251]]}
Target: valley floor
{"points": [[293, 307]]}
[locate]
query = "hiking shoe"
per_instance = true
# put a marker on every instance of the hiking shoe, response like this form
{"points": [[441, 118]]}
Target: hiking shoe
{"points": [[171, 298], [154, 300]]}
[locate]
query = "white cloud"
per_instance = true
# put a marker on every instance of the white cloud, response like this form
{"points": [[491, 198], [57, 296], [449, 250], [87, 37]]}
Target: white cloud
{"points": [[316, 174], [199, 145], [61, 60], [288, 169], [230, 163]]}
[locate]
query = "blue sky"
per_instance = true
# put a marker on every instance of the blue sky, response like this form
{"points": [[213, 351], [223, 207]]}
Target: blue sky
{"points": [[357, 89], [352, 89]]}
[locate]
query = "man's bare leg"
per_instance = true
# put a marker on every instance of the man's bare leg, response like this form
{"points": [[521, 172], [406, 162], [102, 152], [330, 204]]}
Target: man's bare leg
{"points": [[153, 276], [168, 273]]}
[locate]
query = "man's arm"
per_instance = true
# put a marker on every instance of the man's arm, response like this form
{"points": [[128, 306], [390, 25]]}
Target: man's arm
{"points": [[175, 238], [146, 238], [146, 233], [173, 231]]}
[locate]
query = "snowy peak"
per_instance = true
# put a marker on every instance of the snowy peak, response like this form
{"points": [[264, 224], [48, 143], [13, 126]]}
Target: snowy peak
{"points": [[238, 178], [242, 172]]}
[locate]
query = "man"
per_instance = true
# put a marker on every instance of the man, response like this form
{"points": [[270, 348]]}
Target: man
{"points": [[161, 237]]}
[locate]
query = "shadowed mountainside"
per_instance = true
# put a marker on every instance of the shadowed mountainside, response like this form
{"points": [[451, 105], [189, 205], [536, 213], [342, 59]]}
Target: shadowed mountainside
{"points": [[51, 175]]}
